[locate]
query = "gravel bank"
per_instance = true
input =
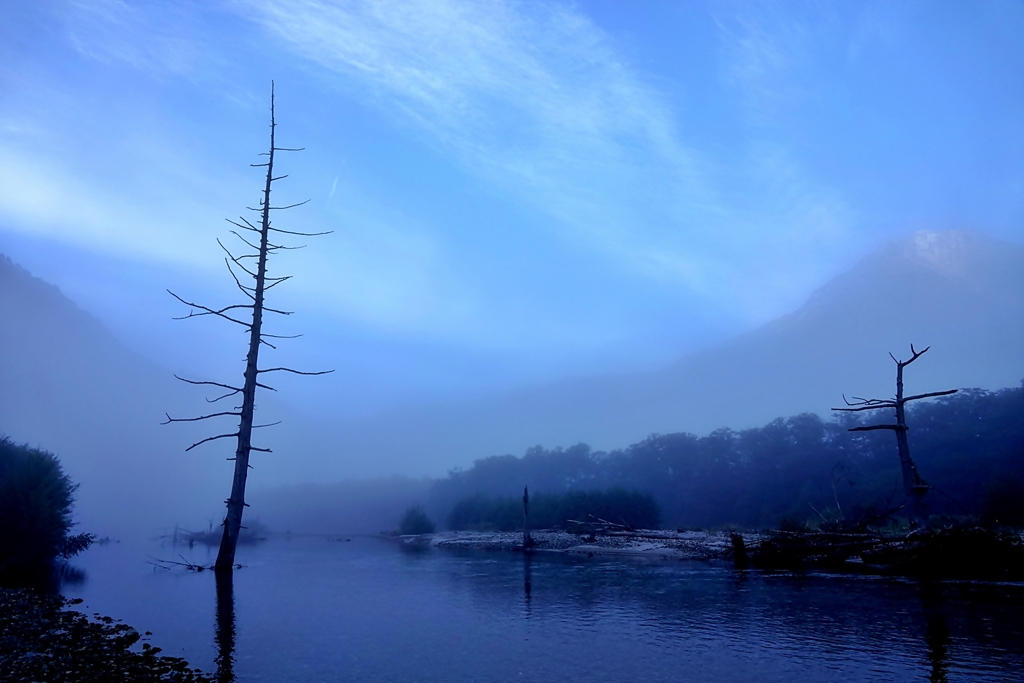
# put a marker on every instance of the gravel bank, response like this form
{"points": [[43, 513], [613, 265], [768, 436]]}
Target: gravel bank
{"points": [[41, 639], [684, 545]]}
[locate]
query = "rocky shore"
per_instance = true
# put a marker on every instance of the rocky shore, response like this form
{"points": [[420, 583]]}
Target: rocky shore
{"points": [[43, 639]]}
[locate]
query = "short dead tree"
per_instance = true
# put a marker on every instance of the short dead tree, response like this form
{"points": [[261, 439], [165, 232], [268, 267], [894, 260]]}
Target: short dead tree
{"points": [[249, 272], [913, 485]]}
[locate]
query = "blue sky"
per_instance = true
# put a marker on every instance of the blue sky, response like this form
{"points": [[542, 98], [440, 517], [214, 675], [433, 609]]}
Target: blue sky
{"points": [[518, 191]]}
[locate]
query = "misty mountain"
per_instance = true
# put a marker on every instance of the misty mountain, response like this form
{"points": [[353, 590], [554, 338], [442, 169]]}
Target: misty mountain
{"points": [[959, 292], [67, 386]]}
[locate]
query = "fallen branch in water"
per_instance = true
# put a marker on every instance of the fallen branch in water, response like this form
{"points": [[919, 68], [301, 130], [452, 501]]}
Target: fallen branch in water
{"points": [[192, 567]]}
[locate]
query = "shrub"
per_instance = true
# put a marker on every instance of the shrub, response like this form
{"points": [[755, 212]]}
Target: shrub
{"points": [[1003, 502], [35, 510], [415, 521]]}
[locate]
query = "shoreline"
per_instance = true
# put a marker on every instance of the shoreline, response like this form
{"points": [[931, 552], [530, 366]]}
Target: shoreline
{"points": [[662, 544]]}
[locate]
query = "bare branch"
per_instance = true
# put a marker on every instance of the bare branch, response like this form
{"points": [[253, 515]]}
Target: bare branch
{"points": [[261, 450], [301, 234], [264, 386], [216, 384], [276, 282], [250, 244], [914, 355], [264, 341], [238, 260], [270, 424], [274, 310], [210, 311], [930, 394], [290, 206], [858, 401], [861, 408], [211, 438], [248, 226], [219, 398], [197, 419], [280, 177], [297, 372], [858, 404], [280, 336], [248, 291], [289, 149], [868, 428]]}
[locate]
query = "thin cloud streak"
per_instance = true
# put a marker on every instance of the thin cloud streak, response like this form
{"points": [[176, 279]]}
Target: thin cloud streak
{"points": [[536, 98], [543, 106]]}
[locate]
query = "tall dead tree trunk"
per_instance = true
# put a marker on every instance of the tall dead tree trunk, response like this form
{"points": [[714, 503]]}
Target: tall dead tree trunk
{"points": [[914, 486], [256, 294]]}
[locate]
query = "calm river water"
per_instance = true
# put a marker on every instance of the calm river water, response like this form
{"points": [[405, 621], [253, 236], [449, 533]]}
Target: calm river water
{"points": [[318, 609]]}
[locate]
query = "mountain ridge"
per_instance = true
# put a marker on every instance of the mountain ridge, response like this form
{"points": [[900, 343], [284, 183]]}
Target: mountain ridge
{"points": [[838, 341], [958, 292]]}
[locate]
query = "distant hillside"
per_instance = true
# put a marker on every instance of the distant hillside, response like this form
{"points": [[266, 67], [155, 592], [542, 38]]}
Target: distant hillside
{"points": [[962, 293], [68, 387]]}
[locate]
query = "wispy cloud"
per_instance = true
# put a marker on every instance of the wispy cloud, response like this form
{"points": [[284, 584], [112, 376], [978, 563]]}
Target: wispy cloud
{"points": [[167, 38], [535, 97], [540, 101]]}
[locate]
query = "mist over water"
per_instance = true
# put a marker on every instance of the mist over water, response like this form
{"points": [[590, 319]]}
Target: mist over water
{"points": [[629, 234], [330, 608], [69, 386]]}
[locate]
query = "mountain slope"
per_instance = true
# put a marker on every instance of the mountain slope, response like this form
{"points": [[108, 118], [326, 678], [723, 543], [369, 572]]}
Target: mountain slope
{"points": [[68, 387], [962, 293]]}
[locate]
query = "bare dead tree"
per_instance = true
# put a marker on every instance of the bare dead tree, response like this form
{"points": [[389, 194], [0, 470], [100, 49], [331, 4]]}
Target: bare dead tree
{"points": [[913, 485], [250, 267]]}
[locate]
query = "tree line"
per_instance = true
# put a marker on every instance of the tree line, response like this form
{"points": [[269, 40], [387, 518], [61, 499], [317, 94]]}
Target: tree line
{"points": [[968, 446]]}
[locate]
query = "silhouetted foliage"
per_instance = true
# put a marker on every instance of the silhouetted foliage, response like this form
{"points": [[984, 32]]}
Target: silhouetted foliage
{"points": [[35, 510], [1003, 502], [555, 510], [802, 468], [415, 521]]}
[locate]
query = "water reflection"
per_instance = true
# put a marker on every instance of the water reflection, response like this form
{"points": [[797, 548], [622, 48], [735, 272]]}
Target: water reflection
{"points": [[374, 611], [225, 634], [828, 625], [527, 579], [936, 632], [51, 578]]}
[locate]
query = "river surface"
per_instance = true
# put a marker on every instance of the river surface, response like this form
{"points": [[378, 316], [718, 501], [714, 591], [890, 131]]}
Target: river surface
{"points": [[366, 609]]}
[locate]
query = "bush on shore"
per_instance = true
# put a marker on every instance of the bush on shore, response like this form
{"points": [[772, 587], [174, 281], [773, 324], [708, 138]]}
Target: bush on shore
{"points": [[415, 521], [36, 498]]}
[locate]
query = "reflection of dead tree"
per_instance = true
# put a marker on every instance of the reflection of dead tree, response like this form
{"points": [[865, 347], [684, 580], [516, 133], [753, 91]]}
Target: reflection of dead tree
{"points": [[527, 541], [913, 485], [245, 268]]}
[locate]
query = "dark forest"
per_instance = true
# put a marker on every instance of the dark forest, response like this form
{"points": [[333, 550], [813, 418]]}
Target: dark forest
{"points": [[798, 470]]}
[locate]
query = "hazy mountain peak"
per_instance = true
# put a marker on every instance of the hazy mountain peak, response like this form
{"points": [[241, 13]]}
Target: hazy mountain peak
{"points": [[950, 252]]}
